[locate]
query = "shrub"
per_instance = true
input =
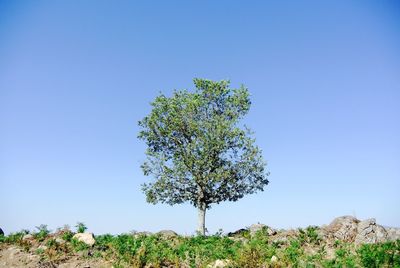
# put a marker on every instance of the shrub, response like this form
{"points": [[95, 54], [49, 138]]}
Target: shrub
{"points": [[80, 227], [378, 255], [42, 233]]}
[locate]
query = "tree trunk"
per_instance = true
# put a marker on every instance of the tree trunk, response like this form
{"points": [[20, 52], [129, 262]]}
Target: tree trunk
{"points": [[202, 220]]}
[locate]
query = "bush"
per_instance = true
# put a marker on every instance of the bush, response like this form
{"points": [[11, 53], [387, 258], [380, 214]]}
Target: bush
{"points": [[80, 227], [42, 233], [378, 255]]}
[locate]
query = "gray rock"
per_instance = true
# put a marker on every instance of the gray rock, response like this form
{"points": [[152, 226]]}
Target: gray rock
{"points": [[343, 228], [393, 234], [60, 240], [239, 232], [87, 238], [271, 231], [219, 264], [254, 228], [138, 234], [42, 247], [27, 237], [274, 259], [167, 234], [369, 232]]}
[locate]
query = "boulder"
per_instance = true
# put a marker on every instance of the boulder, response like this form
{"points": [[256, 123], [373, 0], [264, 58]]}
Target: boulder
{"points": [[369, 232], [239, 232], [60, 240], [274, 259], [343, 228], [138, 234], [393, 234], [219, 264], [167, 234], [87, 238], [27, 237], [284, 236], [42, 247], [254, 228]]}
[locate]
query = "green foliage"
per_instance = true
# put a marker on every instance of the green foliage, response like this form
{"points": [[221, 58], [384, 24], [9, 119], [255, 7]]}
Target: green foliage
{"points": [[309, 235], [42, 233], [67, 235], [78, 245], [80, 227], [196, 152], [293, 252], [380, 255]]}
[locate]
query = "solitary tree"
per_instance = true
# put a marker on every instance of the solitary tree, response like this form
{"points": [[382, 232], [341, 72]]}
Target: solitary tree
{"points": [[196, 152]]}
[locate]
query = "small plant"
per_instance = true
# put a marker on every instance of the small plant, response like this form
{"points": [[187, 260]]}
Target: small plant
{"points": [[80, 227], [312, 235], [78, 245], [378, 255], [67, 235], [14, 238], [42, 233]]}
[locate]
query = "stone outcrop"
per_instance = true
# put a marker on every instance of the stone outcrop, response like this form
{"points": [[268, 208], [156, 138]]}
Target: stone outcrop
{"points": [[87, 238], [393, 233], [254, 228], [167, 234], [27, 237], [1, 232], [219, 264], [369, 232], [343, 228]]}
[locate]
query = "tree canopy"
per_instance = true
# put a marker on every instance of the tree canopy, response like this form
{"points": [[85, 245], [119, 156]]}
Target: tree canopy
{"points": [[196, 150]]}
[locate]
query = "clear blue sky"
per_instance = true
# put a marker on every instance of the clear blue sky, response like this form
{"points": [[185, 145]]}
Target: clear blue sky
{"points": [[76, 76]]}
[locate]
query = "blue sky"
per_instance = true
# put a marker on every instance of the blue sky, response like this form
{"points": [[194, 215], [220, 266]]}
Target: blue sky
{"points": [[76, 76]]}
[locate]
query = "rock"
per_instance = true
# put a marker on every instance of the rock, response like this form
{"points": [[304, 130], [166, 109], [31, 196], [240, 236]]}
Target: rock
{"points": [[87, 238], [167, 234], [42, 247], [219, 264], [239, 232], [274, 259], [343, 228], [330, 253], [138, 234], [323, 233], [393, 234], [271, 231], [284, 236], [60, 240], [1, 232], [254, 228], [369, 232], [27, 237]]}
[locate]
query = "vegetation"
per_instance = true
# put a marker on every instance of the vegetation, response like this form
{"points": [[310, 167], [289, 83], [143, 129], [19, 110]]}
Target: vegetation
{"points": [[259, 250], [196, 152], [80, 227]]}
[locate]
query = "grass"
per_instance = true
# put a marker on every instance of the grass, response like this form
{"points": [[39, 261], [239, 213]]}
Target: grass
{"points": [[307, 249]]}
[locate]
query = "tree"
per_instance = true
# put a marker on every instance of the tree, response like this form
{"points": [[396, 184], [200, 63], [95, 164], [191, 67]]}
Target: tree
{"points": [[196, 152]]}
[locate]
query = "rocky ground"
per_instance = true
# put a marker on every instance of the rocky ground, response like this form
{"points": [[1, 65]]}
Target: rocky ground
{"points": [[67, 249]]}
